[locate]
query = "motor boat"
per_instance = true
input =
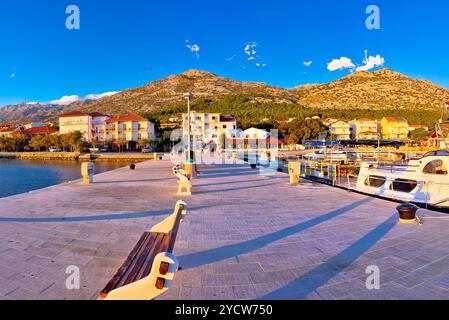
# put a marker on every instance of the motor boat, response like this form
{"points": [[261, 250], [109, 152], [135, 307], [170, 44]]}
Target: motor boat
{"points": [[424, 181]]}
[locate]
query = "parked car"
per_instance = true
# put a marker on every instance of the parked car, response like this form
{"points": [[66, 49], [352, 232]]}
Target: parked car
{"points": [[94, 150], [146, 150], [104, 149], [53, 149]]}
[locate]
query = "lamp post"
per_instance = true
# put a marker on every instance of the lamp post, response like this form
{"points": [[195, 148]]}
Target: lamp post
{"points": [[190, 163]]}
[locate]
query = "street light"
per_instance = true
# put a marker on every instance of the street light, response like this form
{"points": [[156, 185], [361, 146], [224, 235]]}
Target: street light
{"points": [[188, 96], [190, 163]]}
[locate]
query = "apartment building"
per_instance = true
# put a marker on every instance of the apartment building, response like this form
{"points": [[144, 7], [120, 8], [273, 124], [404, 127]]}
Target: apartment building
{"points": [[340, 130], [365, 129], [208, 128], [99, 128], [394, 128], [129, 127], [254, 133], [76, 121]]}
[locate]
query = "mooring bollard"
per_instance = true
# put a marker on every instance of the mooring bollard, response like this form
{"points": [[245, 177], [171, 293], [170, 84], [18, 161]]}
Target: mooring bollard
{"points": [[132, 166], [87, 171], [407, 212]]}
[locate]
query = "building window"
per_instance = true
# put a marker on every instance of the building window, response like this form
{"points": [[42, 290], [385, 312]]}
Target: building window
{"points": [[225, 126]]}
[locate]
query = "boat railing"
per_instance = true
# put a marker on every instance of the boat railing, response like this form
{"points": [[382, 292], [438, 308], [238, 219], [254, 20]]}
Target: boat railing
{"points": [[347, 175]]}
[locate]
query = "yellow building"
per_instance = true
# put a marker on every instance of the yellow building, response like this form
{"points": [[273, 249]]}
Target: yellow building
{"points": [[76, 121], [129, 127], [365, 129], [394, 128]]}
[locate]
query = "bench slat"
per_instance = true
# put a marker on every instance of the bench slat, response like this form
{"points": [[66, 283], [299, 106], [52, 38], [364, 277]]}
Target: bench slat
{"points": [[149, 261], [139, 263], [112, 284], [148, 254]]}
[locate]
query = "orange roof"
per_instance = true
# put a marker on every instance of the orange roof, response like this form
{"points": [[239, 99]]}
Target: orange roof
{"points": [[127, 117], [391, 119], [40, 131], [74, 114], [8, 129]]}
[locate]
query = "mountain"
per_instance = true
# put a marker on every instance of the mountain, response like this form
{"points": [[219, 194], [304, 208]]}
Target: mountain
{"points": [[380, 90], [169, 91], [24, 112]]}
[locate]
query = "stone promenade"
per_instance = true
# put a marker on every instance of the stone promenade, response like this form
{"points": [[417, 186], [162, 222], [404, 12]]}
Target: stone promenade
{"points": [[249, 235]]}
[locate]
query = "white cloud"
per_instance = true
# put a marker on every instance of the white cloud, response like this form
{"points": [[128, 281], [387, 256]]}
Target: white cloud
{"points": [[261, 65], [307, 63], [371, 62], [13, 75], [194, 48], [66, 100], [340, 64], [368, 63], [230, 58], [250, 50], [32, 103]]}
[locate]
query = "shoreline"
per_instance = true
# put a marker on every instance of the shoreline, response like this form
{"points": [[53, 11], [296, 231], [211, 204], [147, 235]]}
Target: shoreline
{"points": [[78, 157]]}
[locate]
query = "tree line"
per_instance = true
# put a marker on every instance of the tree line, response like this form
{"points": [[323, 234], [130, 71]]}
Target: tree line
{"points": [[19, 142]]}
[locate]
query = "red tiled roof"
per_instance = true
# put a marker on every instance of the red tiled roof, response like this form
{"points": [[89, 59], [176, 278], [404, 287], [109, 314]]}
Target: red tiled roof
{"points": [[8, 129], [43, 130], [227, 119], [74, 114], [127, 117]]}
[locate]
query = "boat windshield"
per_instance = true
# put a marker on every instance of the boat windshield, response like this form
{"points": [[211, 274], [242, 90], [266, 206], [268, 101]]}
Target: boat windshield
{"points": [[439, 153]]}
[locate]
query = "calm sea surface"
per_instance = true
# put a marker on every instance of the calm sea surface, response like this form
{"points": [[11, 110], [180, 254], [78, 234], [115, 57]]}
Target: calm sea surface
{"points": [[20, 176]]}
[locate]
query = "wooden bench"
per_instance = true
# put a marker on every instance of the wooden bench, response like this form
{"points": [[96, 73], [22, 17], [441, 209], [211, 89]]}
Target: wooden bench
{"points": [[150, 268], [184, 185]]}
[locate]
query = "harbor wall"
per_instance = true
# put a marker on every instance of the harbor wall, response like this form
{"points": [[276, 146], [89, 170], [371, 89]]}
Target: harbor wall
{"points": [[76, 156]]}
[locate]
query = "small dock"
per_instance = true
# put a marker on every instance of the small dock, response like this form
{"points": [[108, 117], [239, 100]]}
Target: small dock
{"points": [[248, 235]]}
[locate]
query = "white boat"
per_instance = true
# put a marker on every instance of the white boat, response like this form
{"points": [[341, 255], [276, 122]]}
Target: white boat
{"points": [[424, 181]]}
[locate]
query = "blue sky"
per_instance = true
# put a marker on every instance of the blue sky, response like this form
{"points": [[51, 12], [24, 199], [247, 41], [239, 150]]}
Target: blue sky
{"points": [[123, 44]]}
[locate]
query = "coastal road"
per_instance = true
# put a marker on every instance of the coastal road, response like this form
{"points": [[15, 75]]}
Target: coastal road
{"points": [[248, 235]]}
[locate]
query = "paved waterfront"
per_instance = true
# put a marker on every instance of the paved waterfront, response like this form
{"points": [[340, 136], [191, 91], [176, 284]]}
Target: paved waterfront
{"points": [[247, 236]]}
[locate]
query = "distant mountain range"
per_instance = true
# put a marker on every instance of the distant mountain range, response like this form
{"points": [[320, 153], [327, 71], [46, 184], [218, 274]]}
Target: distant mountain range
{"points": [[380, 90]]}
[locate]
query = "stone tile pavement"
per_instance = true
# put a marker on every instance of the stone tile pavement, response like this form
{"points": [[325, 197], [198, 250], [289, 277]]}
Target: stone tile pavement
{"points": [[247, 236]]}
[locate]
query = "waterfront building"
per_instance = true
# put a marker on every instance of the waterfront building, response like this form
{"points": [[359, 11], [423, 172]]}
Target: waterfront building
{"points": [[99, 128], [394, 128], [76, 121], [209, 128], [254, 133], [340, 130], [130, 128], [365, 129]]}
